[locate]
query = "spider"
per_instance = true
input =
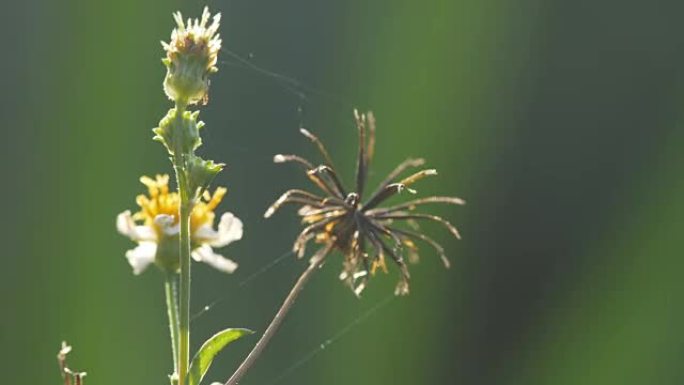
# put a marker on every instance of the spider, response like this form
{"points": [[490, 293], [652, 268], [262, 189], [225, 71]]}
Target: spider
{"points": [[362, 231]]}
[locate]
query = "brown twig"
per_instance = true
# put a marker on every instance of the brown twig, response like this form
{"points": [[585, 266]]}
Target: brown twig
{"points": [[316, 262]]}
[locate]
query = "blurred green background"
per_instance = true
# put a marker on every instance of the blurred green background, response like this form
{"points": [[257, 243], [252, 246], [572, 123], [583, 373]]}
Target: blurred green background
{"points": [[560, 122]]}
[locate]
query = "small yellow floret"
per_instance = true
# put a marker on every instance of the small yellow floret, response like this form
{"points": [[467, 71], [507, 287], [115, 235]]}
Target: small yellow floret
{"points": [[163, 202]]}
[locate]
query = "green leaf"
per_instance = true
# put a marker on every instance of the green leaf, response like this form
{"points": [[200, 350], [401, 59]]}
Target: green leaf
{"points": [[202, 360]]}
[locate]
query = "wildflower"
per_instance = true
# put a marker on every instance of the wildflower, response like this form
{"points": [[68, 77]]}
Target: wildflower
{"points": [[157, 234], [339, 219], [191, 56]]}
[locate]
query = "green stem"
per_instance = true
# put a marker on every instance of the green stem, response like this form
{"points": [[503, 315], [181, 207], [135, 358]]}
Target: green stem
{"points": [[184, 245], [185, 209], [171, 290], [184, 356]]}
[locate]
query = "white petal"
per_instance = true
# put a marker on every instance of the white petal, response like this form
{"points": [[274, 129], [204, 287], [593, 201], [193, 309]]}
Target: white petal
{"points": [[205, 234], [206, 254], [126, 226], [142, 256], [198, 253], [122, 222], [165, 222], [229, 230]]}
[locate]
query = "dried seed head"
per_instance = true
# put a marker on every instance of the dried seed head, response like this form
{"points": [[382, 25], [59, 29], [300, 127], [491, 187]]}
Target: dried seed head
{"points": [[365, 233]]}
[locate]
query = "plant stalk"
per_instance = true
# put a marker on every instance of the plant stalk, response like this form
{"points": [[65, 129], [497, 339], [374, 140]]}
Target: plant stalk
{"points": [[272, 328], [184, 303], [180, 168], [171, 290]]}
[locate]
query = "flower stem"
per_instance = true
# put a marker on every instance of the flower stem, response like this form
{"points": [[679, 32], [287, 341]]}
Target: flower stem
{"points": [[171, 290], [180, 168], [272, 328], [185, 209]]}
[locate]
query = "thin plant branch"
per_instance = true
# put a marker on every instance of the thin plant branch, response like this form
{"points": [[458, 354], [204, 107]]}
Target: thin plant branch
{"points": [[272, 328]]}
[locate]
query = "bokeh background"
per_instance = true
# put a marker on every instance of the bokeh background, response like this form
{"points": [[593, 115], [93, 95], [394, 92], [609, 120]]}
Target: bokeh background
{"points": [[560, 122]]}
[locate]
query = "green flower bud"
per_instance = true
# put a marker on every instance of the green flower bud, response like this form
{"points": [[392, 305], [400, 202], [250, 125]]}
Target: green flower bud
{"points": [[179, 133], [201, 172], [190, 58]]}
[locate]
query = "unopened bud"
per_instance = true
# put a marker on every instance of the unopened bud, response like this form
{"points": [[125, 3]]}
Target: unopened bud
{"points": [[201, 172], [191, 57], [179, 132]]}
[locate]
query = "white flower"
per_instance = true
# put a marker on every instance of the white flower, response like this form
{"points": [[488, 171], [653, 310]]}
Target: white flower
{"points": [[158, 230]]}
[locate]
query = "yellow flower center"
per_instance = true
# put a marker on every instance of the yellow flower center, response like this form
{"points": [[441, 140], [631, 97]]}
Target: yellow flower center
{"points": [[163, 202]]}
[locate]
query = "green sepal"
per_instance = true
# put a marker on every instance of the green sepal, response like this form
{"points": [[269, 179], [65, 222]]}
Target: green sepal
{"points": [[168, 255], [213, 346]]}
